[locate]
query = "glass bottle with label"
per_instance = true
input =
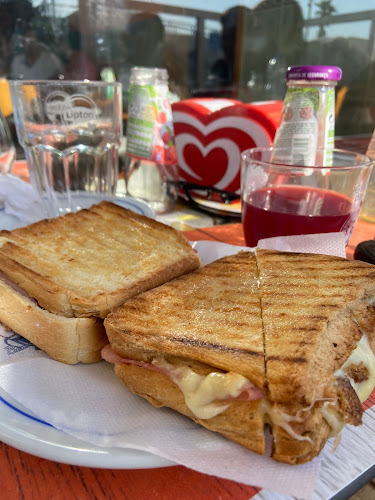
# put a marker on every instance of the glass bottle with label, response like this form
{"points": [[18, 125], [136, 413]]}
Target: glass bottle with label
{"points": [[150, 149], [308, 119]]}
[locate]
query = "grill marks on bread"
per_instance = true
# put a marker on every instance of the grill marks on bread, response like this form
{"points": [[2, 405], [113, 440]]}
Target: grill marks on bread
{"points": [[212, 315], [285, 321], [311, 298], [217, 347], [87, 263], [290, 308]]}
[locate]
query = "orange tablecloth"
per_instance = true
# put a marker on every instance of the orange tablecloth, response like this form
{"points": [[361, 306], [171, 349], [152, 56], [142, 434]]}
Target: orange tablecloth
{"points": [[232, 233]]}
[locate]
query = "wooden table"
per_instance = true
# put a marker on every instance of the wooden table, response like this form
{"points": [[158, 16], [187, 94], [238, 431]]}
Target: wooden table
{"points": [[27, 477]]}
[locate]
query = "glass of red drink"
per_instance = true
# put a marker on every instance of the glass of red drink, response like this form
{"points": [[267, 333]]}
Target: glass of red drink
{"points": [[281, 198]]}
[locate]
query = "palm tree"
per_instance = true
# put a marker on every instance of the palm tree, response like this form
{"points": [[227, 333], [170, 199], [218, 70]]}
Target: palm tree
{"points": [[325, 9]]}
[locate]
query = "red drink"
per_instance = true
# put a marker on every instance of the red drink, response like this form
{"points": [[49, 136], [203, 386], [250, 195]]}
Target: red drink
{"points": [[287, 210]]}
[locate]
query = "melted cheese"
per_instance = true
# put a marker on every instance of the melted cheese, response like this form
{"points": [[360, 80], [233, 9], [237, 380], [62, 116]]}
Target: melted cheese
{"points": [[333, 419], [282, 419], [207, 395], [362, 353], [203, 392]]}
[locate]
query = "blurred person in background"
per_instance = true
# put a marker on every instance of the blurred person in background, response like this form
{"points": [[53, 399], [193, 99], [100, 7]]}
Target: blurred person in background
{"points": [[273, 42], [143, 43], [223, 77], [79, 65], [36, 61], [258, 45], [145, 38]]}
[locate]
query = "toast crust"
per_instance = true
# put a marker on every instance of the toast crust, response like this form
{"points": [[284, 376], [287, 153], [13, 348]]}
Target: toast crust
{"points": [[86, 263], [68, 340]]}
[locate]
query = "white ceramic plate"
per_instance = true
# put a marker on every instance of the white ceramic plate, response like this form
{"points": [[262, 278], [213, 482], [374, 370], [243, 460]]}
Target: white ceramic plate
{"points": [[138, 206], [10, 222], [22, 430]]}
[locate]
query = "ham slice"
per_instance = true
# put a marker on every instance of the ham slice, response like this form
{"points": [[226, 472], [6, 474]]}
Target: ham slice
{"points": [[250, 393], [109, 355], [15, 287]]}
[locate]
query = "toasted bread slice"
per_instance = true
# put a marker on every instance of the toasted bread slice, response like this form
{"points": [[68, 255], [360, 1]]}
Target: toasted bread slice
{"points": [[211, 319], [84, 264], [309, 309], [211, 315], [68, 340]]}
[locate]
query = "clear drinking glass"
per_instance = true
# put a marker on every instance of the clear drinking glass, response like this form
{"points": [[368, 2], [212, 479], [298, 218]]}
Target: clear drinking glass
{"points": [[280, 199], [7, 150], [367, 212], [70, 132]]}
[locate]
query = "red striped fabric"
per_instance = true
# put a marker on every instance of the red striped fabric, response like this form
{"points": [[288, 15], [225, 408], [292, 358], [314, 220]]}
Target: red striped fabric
{"points": [[370, 401]]}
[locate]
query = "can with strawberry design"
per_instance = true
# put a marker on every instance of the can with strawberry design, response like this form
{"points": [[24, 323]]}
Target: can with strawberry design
{"points": [[308, 120], [150, 169]]}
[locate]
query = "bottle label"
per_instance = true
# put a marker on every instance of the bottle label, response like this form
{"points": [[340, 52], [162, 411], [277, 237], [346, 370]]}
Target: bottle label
{"points": [[330, 127], [150, 133], [298, 130]]}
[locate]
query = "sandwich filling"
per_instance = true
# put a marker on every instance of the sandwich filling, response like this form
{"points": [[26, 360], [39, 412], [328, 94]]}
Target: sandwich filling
{"points": [[15, 287], [205, 395], [209, 395], [359, 370]]}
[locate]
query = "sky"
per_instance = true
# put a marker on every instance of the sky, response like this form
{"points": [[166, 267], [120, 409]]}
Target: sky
{"points": [[342, 6], [360, 30]]}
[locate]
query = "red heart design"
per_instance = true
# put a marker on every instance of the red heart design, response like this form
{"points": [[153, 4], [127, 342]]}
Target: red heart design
{"points": [[211, 133], [209, 168]]}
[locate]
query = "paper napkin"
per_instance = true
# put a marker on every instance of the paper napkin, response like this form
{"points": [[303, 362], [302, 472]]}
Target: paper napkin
{"points": [[20, 200], [90, 403]]}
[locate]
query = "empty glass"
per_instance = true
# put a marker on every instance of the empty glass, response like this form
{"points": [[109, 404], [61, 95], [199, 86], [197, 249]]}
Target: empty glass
{"points": [[71, 133], [7, 150]]}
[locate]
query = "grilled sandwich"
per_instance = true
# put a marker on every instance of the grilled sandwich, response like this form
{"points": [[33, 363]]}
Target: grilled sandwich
{"points": [[59, 278], [318, 316], [273, 339]]}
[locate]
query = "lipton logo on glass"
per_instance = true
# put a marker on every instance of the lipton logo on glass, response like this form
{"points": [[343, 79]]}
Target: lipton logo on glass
{"points": [[64, 109]]}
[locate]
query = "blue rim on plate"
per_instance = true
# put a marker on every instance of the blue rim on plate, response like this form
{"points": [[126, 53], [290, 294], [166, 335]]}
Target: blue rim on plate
{"points": [[24, 413], [25, 432]]}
